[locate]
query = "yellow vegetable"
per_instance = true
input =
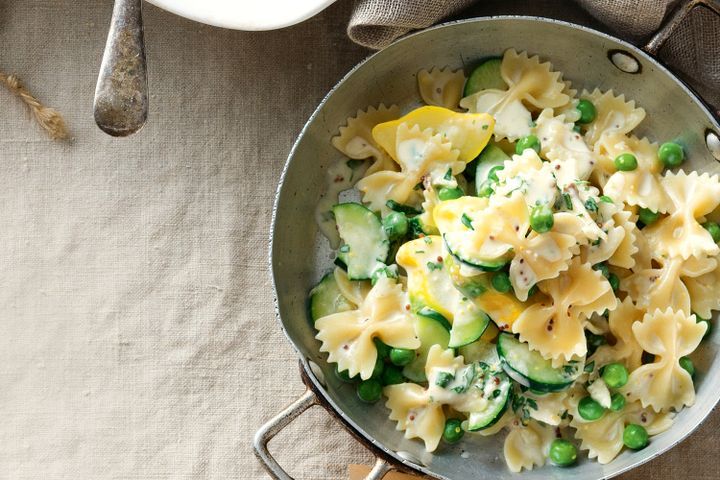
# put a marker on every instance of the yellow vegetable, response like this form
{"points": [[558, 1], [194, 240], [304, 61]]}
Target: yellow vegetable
{"points": [[448, 214], [466, 132]]}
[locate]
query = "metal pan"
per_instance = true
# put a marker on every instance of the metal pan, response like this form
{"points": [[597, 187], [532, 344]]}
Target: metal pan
{"points": [[300, 255]]}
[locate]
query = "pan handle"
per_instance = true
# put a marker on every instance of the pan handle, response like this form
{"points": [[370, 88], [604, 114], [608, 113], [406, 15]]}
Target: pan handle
{"points": [[675, 19], [276, 424]]}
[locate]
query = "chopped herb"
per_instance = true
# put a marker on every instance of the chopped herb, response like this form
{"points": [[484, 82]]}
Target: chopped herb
{"points": [[344, 249], [467, 221], [444, 379], [564, 415], [606, 199], [399, 207], [568, 201], [427, 240], [353, 164], [589, 367], [591, 205], [596, 242], [531, 403], [569, 369], [448, 175], [485, 127], [434, 266], [496, 393], [419, 251]]}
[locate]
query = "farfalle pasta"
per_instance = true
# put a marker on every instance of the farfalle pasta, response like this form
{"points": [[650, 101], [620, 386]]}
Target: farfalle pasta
{"points": [[520, 264]]}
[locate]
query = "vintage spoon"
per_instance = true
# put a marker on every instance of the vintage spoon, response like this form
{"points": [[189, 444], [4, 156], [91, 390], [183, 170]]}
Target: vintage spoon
{"points": [[121, 94]]}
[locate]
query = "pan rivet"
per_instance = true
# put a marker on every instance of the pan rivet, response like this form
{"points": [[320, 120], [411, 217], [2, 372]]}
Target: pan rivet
{"points": [[713, 144], [317, 372], [624, 61]]}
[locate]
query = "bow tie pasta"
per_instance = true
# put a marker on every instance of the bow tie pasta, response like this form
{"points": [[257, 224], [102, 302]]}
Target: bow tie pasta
{"points": [[520, 263]]}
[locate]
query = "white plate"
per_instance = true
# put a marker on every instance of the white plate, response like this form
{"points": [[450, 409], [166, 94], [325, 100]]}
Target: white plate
{"points": [[245, 14]]}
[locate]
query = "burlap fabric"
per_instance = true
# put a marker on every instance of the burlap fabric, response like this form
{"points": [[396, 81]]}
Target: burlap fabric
{"points": [[137, 332]]}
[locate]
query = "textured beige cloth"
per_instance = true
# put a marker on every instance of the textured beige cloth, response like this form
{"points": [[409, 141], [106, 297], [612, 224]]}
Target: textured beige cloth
{"points": [[137, 332], [692, 50]]}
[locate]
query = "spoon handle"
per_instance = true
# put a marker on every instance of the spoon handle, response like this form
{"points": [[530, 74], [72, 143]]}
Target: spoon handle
{"points": [[121, 94]]}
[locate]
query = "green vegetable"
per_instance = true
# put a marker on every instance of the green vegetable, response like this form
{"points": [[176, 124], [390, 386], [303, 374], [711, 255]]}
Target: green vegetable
{"points": [[562, 452], [541, 218], [687, 364], [443, 379], [647, 216], [378, 369], [626, 162], [614, 281], [326, 298], [713, 229], [484, 76], [446, 193], [671, 154], [615, 375], [453, 431], [363, 234], [399, 207], [431, 328], [485, 189], [590, 410], [501, 282], [401, 356], [602, 268], [531, 141], [492, 174], [344, 375], [617, 402], [383, 350], [391, 376], [635, 436], [395, 225], [369, 391], [587, 111]]}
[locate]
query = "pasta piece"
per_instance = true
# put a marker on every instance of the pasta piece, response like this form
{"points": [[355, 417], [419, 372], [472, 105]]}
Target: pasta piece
{"points": [[570, 157], [704, 292], [626, 349], [348, 336], [504, 226], [441, 87], [614, 115], [624, 254], [603, 438], [664, 384], [550, 407], [419, 153], [569, 110], [355, 139], [531, 85], [655, 288], [527, 446], [609, 146], [528, 174], [585, 203], [680, 235], [428, 207], [554, 327]]}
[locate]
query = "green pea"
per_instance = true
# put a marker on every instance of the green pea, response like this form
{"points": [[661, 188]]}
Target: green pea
{"points": [[587, 111], [395, 225], [671, 154], [447, 193], [378, 369], [541, 218], [626, 162], [383, 350], [562, 452], [531, 141], [614, 281], [713, 229], [635, 436], [687, 364], [501, 282], [617, 402], [391, 376], [615, 375], [369, 391], [344, 375], [707, 321], [647, 216], [485, 189], [602, 268], [453, 432], [401, 356], [590, 410]]}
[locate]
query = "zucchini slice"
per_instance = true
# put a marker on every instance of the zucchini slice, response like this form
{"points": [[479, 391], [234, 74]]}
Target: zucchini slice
{"points": [[490, 159], [480, 351], [326, 298], [530, 369], [469, 323], [496, 388], [365, 243], [431, 331], [454, 241], [484, 76]]}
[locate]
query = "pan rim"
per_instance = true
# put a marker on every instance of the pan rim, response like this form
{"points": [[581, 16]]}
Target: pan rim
{"points": [[369, 441]]}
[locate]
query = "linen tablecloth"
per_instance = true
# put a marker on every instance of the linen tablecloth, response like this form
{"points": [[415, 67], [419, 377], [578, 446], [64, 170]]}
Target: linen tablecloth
{"points": [[137, 331]]}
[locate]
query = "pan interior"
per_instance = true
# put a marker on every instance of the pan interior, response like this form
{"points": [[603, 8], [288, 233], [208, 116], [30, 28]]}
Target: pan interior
{"points": [[301, 255]]}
